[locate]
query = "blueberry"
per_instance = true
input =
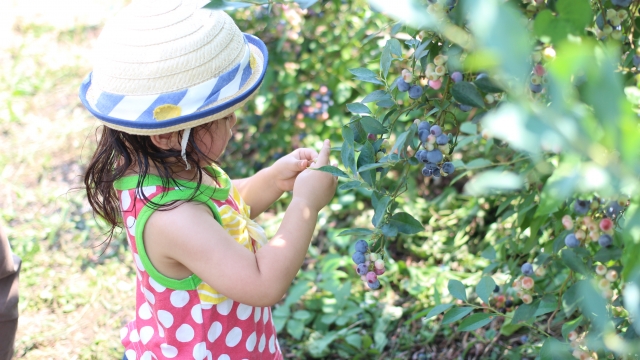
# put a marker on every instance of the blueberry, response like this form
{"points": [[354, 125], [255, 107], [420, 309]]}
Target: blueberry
{"points": [[436, 130], [613, 209], [456, 76], [571, 241], [362, 246], [436, 172], [503, 310], [524, 338], [420, 154], [415, 91], [402, 85], [362, 269], [636, 61], [427, 172], [434, 156], [623, 3], [374, 285], [508, 303], [424, 126], [527, 269], [465, 108], [600, 21], [442, 139], [581, 207], [451, 3], [536, 88], [496, 289], [423, 135], [358, 257], [605, 240], [448, 168]]}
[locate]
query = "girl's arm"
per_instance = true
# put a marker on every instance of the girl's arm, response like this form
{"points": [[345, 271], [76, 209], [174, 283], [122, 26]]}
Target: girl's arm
{"points": [[264, 188]]}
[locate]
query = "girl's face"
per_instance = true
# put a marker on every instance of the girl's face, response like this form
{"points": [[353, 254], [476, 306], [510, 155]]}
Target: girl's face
{"points": [[213, 139]]}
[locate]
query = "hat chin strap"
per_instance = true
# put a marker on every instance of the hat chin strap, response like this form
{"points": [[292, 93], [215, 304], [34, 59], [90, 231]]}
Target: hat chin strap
{"points": [[183, 145]]}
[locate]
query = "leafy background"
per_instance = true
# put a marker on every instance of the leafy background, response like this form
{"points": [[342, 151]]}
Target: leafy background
{"points": [[474, 229]]}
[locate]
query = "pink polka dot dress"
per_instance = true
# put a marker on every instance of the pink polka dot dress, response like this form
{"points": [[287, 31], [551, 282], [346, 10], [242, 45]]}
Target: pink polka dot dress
{"points": [[187, 319]]}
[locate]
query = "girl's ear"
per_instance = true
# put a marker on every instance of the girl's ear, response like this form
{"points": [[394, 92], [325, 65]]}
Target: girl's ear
{"points": [[167, 141]]}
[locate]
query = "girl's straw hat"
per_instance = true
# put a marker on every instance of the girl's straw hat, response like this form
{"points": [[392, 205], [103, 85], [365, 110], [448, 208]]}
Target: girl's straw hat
{"points": [[168, 65]]}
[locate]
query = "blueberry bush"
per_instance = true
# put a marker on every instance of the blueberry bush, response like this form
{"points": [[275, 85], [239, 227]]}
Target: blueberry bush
{"points": [[489, 167]]}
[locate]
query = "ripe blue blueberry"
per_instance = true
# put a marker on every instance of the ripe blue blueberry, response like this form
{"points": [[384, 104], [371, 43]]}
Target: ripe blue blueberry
{"points": [[448, 168], [600, 21], [613, 209], [420, 154], [423, 135], [536, 88], [415, 91], [636, 61], [436, 172], [465, 108], [374, 285], [527, 269], [424, 126], [571, 241], [581, 207], [456, 76], [605, 240], [362, 246], [434, 156], [358, 257], [496, 289], [436, 130], [427, 171], [524, 338], [623, 3], [362, 269], [442, 139], [402, 85]]}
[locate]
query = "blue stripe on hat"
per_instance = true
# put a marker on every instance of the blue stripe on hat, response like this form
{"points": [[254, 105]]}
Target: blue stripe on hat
{"points": [[246, 74], [107, 101], [173, 98], [223, 81]]}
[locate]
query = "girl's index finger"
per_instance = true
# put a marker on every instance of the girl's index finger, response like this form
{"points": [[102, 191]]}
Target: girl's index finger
{"points": [[323, 157]]}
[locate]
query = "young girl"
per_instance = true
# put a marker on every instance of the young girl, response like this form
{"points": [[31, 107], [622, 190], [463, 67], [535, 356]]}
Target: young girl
{"points": [[167, 80]]}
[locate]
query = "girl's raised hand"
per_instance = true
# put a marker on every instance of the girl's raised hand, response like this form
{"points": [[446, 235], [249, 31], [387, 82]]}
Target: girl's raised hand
{"points": [[316, 188], [286, 169]]}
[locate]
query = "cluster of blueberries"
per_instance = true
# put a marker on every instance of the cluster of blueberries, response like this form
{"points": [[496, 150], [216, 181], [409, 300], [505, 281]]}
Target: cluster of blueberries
{"points": [[585, 227], [611, 23], [364, 261], [404, 84], [430, 137], [317, 104]]}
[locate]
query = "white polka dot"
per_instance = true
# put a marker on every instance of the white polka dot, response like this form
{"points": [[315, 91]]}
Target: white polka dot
{"points": [[224, 308], [224, 357], [272, 344], [265, 315], [148, 355], [200, 351], [145, 334], [256, 314], [210, 355], [157, 287], [138, 262], [165, 317], [278, 345], [125, 200], [196, 314], [244, 311], [145, 311], [233, 337], [262, 343], [206, 306], [179, 298], [123, 332], [184, 333], [148, 190], [214, 331], [131, 354], [160, 330], [168, 350], [131, 225], [134, 337], [251, 342], [149, 295]]}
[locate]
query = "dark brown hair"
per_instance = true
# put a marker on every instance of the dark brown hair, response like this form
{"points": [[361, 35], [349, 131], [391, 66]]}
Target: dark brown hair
{"points": [[118, 151]]}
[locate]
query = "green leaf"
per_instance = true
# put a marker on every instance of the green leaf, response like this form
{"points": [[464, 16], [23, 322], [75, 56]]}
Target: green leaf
{"points": [[437, 310], [296, 292], [571, 298], [485, 287], [572, 260], [493, 181], [456, 314], [350, 185], [571, 325], [406, 223], [349, 157], [395, 47], [372, 125], [577, 13], [356, 232], [376, 96], [475, 321], [380, 209], [549, 303], [389, 230], [366, 157], [477, 163], [421, 50], [594, 306], [374, 166], [487, 85], [295, 328], [385, 60], [466, 93], [553, 349], [469, 128], [363, 72], [358, 108], [489, 253], [332, 170], [525, 312], [457, 290], [302, 315], [305, 3], [225, 5], [354, 340]]}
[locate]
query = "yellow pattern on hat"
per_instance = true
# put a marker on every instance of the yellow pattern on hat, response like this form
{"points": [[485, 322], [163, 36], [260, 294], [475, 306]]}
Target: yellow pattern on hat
{"points": [[166, 112]]}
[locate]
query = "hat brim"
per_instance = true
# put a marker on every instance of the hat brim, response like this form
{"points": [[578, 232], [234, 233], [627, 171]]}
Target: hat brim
{"points": [[217, 110]]}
